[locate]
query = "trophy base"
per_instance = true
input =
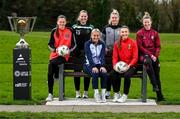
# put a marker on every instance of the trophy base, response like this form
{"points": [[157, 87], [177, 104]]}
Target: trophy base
{"points": [[22, 44]]}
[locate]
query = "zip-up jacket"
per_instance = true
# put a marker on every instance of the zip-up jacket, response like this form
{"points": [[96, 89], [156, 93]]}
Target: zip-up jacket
{"points": [[94, 54], [128, 52], [148, 42], [82, 34], [61, 37], [110, 35]]}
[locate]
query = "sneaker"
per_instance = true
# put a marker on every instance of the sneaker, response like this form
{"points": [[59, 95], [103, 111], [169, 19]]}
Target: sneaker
{"points": [[78, 94], [97, 97], [85, 95], [103, 94], [107, 94], [50, 97], [160, 97], [122, 99], [116, 97], [103, 98]]}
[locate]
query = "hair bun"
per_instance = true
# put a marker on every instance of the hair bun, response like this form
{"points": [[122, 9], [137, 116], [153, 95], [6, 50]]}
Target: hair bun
{"points": [[146, 15]]}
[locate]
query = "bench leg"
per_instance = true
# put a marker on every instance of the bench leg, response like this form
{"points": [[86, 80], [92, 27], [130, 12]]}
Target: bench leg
{"points": [[61, 82], [144, 85]]}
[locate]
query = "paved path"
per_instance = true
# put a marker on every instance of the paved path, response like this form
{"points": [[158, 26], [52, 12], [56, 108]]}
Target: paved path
{"points": [[90, 108], [91, 101]]}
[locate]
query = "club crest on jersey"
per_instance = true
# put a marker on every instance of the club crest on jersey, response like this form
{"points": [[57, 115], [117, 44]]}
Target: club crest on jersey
{"points": [[78, 32], [152, 37], [129, 46], [88, 31], [67, 35]]}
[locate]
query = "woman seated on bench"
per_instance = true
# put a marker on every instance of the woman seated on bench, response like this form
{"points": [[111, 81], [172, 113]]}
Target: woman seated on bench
{"points": [[61, 35], [125, 49], [94, 63]]}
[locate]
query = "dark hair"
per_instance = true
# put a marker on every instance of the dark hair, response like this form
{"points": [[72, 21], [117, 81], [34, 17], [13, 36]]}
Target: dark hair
{"points": [[60, 16], [119, 41]]}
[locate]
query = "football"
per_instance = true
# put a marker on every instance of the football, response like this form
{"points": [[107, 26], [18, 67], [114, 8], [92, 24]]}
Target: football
{"points": [[63, 50], [121, 67]]}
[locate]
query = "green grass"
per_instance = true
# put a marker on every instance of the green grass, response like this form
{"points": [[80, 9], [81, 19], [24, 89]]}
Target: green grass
{"points": [[170, 69], [73, 115]]}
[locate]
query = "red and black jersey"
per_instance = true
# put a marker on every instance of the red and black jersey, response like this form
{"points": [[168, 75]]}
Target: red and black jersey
{"points": [[61, 37]]}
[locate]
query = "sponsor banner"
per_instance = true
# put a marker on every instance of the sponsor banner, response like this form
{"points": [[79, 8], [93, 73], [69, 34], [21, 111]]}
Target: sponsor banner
{"points": [[21, 85], [18, 73], [21, 61]]}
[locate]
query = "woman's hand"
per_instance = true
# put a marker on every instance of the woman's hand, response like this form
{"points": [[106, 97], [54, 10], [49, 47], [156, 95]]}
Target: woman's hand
{"points": [[153, 58], [103, 70], [95, 70], [127, 68]]}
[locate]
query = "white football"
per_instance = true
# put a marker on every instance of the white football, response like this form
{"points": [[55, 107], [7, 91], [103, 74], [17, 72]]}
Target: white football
{"points": [[121, 67], [63, 50]]}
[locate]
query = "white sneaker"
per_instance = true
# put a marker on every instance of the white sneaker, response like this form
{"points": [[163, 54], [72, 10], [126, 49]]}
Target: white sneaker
{"points": [[107, 94], [78, 94], [103, 98], [122, 99], [85, 95], [50, 97], [103, 94], [97, 97], [116, 97]]}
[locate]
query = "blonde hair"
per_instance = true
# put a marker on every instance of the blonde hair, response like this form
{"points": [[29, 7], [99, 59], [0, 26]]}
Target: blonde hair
{"points": [[82, 11], [146, 16], [114, 12], [96, 30]]}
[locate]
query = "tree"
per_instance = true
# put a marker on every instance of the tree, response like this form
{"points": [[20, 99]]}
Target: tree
{"points": [[172, 10]]}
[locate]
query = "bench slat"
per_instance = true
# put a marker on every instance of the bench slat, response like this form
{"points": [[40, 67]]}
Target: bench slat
{"points": [[82, 74], [77, 63]]}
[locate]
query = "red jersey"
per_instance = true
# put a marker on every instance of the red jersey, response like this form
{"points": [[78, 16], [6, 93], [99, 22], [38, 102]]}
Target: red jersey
{"points": [[148, 42], [127, 53], [64, 38]]}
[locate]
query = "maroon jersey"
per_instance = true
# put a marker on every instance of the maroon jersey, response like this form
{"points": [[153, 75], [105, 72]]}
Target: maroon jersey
{"points": [[148, 42]]}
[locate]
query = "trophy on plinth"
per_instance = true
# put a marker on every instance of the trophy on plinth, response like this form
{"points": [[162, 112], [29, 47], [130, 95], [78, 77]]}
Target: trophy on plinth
{"points": [[22, 58], [22, 25]]}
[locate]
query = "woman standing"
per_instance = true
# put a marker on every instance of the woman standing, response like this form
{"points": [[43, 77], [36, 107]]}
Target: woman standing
{"points": [[61, 35], [110, 35], [149, 48], [82, 33], [94, 63], [125, 49]]}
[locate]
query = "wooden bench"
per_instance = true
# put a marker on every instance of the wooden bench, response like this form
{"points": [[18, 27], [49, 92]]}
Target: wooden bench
{"points": [[66, 70]]}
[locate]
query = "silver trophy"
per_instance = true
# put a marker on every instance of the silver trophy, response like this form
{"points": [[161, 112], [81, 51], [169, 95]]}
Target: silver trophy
{"points": [[22, 25]]}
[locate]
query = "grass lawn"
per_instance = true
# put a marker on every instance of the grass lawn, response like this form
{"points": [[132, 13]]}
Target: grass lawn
{"points": [[73, 115], [170, 69]]}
